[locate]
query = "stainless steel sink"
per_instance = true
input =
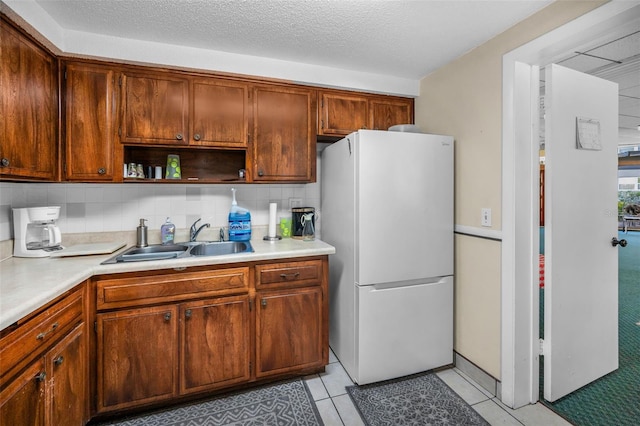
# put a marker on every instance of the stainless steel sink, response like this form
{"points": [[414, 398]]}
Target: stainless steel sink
{"points": [[221, 248], [180, 250]]}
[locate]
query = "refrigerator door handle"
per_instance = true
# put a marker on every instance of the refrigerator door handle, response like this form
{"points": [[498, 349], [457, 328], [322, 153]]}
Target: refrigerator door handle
{"points": [[409, 283], [349, 143]]}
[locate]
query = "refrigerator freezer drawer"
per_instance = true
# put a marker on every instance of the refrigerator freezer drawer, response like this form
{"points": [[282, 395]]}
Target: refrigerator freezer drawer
{"points": [[403, 330]]}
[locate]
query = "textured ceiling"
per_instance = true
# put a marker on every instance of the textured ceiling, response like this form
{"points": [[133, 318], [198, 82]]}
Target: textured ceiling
{"points": [[407, 39]]}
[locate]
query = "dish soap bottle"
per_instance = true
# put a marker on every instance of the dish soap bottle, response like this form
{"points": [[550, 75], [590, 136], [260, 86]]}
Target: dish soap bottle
{"points": [[167, 232], [239, 221]]}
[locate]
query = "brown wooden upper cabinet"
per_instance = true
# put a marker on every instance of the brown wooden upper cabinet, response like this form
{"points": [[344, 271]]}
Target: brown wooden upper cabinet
{"points": [[90, 111], [29, 105], [284, 143], [219, 110], [344, 112], [167, 109], [155, 109], [341, 114], [384, 112]]}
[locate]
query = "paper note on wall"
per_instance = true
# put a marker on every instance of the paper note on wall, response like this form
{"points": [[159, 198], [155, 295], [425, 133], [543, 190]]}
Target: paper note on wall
{"points": [[588, 134]]}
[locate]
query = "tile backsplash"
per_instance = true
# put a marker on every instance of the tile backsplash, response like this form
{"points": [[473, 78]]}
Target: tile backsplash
{"points": [[88, 208], [93, 208]]}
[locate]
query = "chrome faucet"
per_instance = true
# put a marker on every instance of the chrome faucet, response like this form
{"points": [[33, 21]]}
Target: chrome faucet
{"points": [[193, 233], [221, 234]]}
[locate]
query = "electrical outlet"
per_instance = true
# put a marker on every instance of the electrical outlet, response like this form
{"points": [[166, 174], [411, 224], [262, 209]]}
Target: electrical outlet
{"points": [[295, 202], [486, 217]]}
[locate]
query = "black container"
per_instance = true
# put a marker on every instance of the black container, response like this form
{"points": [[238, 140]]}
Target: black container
{"points": [[296, 220]]}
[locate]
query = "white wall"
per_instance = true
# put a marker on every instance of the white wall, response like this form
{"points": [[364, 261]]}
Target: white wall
{"points": [[464, 99]]}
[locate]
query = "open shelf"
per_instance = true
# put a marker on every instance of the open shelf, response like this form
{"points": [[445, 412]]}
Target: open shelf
{"points": [[197, 165]]}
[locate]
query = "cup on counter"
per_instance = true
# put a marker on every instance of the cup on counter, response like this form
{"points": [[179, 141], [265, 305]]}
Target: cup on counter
{"points": [[285, 227]]}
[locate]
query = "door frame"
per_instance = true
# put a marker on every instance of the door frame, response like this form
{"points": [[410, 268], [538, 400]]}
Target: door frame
{"points": [[520, 345]]}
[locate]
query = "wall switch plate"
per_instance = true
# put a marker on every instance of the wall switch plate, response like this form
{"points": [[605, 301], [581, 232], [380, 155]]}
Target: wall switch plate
{"points": [[486, 217], [295, 202]]}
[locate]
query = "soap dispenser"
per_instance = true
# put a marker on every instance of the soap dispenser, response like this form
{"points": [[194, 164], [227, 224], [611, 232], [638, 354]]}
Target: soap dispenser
{"points": [[167, 232], [141, 234], [239, 221]]}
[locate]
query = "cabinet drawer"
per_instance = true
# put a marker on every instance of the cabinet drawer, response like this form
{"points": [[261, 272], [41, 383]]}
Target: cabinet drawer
{"points": [[152, 289], [30, 339], [290, 274]]}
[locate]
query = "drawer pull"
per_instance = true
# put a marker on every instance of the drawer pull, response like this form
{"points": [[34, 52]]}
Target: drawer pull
{"points": [[187, 313], [58, 360], [41, 376], [290, 276], [41, 336], [167, 316]]}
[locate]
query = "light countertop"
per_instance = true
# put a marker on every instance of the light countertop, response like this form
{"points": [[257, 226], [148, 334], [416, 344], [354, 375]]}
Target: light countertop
{"points": [[26, 284]]}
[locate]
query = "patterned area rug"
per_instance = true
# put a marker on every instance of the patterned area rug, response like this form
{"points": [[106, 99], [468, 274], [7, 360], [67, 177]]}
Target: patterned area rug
{"points": [[422, 399], [282, 404]]}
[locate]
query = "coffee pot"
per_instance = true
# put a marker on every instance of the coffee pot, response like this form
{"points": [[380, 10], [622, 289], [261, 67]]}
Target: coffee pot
{"points": [[308, 230], [35, 231]]}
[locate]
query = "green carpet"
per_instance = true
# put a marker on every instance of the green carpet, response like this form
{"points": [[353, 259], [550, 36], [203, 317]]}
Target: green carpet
{"points": [[615, 398]]}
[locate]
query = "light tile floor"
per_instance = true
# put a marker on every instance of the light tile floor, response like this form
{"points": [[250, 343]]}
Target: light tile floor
{"points": [[336, 409]]}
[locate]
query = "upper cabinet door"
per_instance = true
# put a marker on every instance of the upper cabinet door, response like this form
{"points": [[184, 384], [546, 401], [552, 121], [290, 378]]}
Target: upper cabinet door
{"points": [[219, 111], [341, 114], [384, 113], [155, 109], [28, 101], [284, 147], [90, 111]]}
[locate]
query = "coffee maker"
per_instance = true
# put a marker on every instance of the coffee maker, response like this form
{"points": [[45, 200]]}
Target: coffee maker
{"points": [[35, 231]]}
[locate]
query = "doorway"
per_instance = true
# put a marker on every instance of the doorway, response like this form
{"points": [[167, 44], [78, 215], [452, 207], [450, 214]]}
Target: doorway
{"points": [[520, 344]]}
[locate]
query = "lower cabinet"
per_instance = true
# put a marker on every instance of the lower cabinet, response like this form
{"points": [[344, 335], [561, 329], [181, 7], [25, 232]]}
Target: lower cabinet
{"points": [[137, 356], [66, 365], [215, 344], [51, 388], [291, 316], [289, 331], [170, 334], [152, 354], [22, 402]]}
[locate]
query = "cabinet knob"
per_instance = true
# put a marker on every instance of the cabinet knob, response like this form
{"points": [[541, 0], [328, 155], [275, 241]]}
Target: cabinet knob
{"points": [[263, 302], [41, 376], [260, 173], [179, 136], [196, 137], [187, 313], [58, 360], [102, 171], [4, 162], [167, 316]]}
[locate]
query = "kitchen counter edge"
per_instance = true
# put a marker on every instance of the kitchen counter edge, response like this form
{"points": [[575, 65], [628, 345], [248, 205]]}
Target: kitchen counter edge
{"points": [[28, 284]]}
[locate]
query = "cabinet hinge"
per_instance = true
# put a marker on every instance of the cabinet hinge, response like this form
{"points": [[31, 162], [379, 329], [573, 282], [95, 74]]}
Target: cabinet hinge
{"points": [[250, 368], [322, 124], [65, 74], [250, 305], [120, 81], [95, 326], [321, 103], [119, 131]]}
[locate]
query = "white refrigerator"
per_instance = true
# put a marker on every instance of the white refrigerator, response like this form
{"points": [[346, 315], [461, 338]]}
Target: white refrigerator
{"points": [[387, 208]]}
